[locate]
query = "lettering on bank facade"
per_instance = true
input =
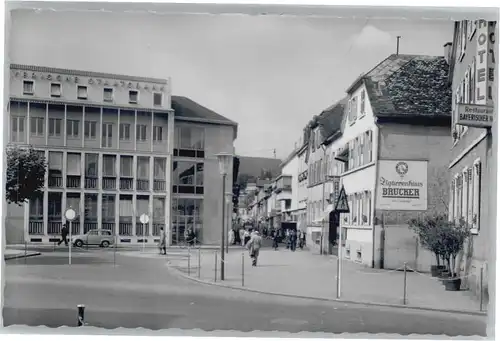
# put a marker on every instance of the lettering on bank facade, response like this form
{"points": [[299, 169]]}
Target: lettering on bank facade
{"points": [[402, 185]]}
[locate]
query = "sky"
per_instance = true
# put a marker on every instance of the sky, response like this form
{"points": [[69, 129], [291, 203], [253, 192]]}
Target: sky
{"points": [[270, 74]]}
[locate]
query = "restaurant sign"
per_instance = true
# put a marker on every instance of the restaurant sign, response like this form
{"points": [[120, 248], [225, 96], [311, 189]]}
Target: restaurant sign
{"points": [[402, 185], [475, 115]]}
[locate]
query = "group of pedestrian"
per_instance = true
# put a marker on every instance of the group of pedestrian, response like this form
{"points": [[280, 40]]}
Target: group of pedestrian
{"points": [[292, 238]]}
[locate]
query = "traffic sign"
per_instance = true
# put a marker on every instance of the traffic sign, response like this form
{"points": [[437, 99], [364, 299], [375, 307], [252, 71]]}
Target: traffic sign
{"points": [[70, 214], [144, 218], [342, 206]]}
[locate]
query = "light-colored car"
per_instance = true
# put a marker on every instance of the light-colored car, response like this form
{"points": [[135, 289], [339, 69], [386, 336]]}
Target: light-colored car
{"points": [[103, 238]]}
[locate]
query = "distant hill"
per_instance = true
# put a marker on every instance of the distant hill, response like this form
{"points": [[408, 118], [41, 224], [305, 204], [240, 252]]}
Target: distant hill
{"points": [[252, 168]]}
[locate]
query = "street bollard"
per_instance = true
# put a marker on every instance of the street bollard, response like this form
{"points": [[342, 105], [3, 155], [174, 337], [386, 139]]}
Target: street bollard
{"points": [[404, 289], [25, 252], [481, 291], [215, 273], [199, 262], [81, 315], [189, 261], [242, 269]]}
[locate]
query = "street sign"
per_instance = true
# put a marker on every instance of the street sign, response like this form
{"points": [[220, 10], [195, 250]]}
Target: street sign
{"points": [[70, 214], [144, 218], [475, 115], [342, 206]]}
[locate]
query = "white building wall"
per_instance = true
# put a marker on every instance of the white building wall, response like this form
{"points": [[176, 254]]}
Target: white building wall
{"points": [[358, 236]]}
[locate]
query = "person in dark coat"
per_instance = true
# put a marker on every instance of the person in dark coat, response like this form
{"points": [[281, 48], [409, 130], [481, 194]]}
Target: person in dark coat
{"points": [[64, 235], [276, 238], [293, 240]]}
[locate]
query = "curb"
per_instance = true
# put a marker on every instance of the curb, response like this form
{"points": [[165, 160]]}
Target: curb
{"points": [[400, 306], [21, 256]]}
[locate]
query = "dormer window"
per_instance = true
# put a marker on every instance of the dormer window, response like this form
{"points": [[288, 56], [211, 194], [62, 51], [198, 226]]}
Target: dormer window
{"points": [[133, 96]]}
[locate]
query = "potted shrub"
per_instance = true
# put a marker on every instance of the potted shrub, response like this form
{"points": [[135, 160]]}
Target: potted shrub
{"points": [[427, 230], [453, 236]]}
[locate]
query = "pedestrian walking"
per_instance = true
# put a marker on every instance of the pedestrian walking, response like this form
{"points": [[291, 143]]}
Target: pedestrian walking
{"points": [[242, 236], [302, 239], [293, 240], [64, 235], [253, 246], [287, 239], [162, 245], [275, 239], [246, 237], [191, 236]]}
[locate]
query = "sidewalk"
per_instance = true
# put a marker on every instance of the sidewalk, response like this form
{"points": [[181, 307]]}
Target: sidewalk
{"points": [[302, 273], [13, 254]]}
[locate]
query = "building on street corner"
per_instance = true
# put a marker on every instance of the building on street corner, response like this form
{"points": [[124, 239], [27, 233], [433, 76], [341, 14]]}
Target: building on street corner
{"points": [[117, 147], [473, 172]]}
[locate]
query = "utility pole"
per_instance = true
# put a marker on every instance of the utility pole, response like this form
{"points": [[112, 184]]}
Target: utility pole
{"points": [[397, 44]]}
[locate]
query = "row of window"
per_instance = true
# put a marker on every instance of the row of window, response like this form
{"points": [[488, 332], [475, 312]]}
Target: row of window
{"points": [[82, 93], [352, 107], [465, 196], [91, 165], [359, 151], [73, 130], [91, 207], [360, 205]]}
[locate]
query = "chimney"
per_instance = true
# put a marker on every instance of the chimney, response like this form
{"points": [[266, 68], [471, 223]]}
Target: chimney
{"points": [[447, 51]]}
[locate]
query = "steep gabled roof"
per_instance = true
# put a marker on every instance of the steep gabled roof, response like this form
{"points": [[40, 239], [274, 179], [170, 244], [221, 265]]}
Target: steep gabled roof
{"points": [[409, 86], [187, 108], [253, 166], [330, 120]]}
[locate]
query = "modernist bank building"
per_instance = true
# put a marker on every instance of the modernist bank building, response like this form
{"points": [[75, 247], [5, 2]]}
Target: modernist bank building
{"points": [[116, 147]]}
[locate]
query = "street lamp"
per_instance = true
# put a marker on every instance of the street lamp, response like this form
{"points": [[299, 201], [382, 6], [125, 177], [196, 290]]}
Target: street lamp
{"points": [[229, 196], [224, 163]]}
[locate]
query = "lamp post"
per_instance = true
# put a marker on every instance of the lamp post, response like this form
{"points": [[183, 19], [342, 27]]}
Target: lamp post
{"points": [[224, 163], [229, 196]]}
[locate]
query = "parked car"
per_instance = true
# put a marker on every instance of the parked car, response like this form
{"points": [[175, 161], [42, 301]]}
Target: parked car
{"points": [[103, 238]]}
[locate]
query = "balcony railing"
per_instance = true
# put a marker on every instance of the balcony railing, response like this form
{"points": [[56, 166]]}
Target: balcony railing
{"points": [[109, 225], [55, 181], [36, 226], [156, 228], [159, 185], [141, 230], [54, 228], [75, 228], [127, 184], [73, 181], [109, 182], [89, 225], [125, 229], [142, 185], [90, 182]]}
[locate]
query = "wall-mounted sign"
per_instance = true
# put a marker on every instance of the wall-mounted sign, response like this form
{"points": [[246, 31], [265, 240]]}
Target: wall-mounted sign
{"points": [[402, 185], [475, 115], [485, 62]]}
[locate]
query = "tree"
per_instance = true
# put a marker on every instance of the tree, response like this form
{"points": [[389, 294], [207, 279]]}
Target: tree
{"points": [[25, 174]]}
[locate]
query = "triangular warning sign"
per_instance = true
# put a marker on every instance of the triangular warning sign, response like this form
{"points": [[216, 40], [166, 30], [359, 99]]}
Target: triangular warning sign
{"points": [[342, 206]]}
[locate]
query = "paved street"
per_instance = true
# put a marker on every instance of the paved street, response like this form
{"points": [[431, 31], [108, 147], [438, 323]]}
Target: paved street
{"points": [[142, 292], [303, 273]]}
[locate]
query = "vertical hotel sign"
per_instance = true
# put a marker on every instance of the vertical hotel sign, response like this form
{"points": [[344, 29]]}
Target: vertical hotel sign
{"points": [[478, 111], [485, 62], [402, 185]]}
